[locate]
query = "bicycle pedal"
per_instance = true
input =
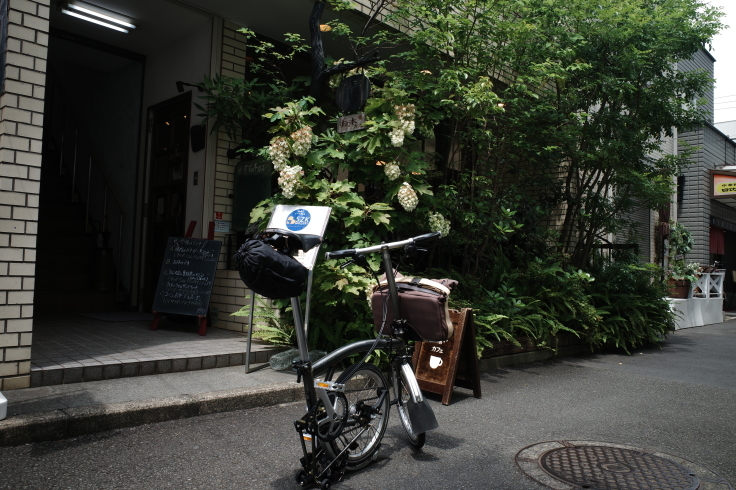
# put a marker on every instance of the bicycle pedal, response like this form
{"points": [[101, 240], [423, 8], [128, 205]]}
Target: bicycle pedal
{"points": [[329, 385]]}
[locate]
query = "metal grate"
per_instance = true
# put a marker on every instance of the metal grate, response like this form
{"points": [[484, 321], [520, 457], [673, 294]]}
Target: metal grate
{"points": [[613, 468]]}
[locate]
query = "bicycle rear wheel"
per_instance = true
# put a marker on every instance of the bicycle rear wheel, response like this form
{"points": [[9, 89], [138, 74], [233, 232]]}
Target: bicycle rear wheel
{"points": [[403, 398], [367, 384]]}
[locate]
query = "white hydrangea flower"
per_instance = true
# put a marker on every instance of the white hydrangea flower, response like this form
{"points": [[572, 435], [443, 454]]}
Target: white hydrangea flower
{"points": [[407, 126], [406, 114], [397, 136], [437, 222], [368, 293], [302, 141], [408, 197], [279, 152], [289, 180], [392, 171]]}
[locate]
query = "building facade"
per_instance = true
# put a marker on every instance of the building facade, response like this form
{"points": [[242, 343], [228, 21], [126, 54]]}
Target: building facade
{"points": [[99, 164]]}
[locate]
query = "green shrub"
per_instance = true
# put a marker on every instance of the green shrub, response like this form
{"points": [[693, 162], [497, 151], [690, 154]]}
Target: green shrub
{"points": [[631, 300]]}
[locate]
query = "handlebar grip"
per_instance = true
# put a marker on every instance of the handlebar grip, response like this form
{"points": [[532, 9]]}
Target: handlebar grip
{"points": [[339, 254], [429, 237]]}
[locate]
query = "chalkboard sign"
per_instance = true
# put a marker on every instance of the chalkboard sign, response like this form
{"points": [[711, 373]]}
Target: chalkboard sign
{"points": [[187, 276]]}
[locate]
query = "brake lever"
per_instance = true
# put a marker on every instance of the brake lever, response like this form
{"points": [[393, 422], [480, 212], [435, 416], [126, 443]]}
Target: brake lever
{"points": [[411, 249]]}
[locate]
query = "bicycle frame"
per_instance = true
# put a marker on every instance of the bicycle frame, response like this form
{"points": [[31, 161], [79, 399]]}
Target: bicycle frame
{"points": [[318, 390]]}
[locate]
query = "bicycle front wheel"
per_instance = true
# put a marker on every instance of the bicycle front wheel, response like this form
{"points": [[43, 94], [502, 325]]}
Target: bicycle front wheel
{"points": [[365, 386], [403, 398]]}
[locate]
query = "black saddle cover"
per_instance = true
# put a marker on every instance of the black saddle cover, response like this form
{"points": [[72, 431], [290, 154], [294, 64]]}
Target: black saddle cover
{"points": [[268, 272]]}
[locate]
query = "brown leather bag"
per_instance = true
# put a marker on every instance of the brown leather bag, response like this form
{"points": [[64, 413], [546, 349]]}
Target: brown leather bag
{"points": [[424, 305]]}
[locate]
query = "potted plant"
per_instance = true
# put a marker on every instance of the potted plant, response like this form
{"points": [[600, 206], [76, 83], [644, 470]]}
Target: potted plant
{"points": [[680, 273]]}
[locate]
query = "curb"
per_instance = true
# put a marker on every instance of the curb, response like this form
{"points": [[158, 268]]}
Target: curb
{"points": [[78, 421], [498, 362], [73, 422]]}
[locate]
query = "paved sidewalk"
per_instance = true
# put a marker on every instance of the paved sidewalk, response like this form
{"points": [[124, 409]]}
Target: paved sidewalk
{"points": [[72, 348], [69, 410]]}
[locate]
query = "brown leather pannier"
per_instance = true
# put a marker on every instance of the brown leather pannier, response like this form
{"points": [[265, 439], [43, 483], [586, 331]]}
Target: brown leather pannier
{"points": [[424, 305]]}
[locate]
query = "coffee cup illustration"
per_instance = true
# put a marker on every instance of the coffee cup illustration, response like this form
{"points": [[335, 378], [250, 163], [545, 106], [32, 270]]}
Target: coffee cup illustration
{"points": [[435, 362]]}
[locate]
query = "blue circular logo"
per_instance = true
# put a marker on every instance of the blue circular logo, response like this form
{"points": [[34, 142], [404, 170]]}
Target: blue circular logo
{"points": [[298, 220]]}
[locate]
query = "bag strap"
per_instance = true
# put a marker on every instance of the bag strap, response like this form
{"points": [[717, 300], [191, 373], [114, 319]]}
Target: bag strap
{"points": [[421, 282]]}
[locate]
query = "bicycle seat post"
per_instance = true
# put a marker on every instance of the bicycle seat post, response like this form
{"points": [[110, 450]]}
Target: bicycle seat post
{"points": [[301, 340], [389, 270]]}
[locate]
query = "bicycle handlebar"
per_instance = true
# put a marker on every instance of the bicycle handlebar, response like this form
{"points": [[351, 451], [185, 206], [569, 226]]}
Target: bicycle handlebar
{"points": [[352, 252]]}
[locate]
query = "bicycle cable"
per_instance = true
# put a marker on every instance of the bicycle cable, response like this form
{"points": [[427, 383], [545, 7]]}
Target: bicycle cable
{"points": [[383, 321]]}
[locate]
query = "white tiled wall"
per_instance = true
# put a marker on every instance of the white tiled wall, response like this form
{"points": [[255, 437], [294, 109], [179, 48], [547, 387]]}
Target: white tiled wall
{"points": [[21, 128]]}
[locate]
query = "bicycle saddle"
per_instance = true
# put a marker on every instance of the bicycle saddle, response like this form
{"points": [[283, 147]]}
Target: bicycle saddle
{"points": [[288, 241]]}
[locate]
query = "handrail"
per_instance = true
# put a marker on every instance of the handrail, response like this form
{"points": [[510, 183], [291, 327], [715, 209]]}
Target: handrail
{"points": [[72, 114], [68, 113]]}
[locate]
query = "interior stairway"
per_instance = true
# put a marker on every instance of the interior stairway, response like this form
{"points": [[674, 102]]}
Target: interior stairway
{"points": [[73, 272]]}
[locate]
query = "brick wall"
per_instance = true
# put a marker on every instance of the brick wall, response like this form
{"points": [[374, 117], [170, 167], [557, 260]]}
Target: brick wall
{"points": [[228, 292], [21, 128]]}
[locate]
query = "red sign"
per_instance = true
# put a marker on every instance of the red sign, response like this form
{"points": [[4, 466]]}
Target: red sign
{"points": [[218, 215]]}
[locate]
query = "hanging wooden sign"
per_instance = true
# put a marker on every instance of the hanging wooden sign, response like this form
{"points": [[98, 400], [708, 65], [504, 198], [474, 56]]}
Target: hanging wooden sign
{"points": [[354, 122], [440, 366]]}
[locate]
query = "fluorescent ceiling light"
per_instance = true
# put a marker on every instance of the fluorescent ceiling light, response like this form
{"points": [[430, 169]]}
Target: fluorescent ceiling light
{"points": [[98, 15]]}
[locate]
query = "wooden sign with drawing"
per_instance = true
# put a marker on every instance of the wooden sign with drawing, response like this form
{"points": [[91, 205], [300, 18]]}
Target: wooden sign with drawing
{"points": [[440, 366]]}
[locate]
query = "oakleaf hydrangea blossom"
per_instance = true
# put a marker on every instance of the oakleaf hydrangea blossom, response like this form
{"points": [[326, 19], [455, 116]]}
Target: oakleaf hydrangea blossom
{"points": [[392, 171], [408, 197], [407, 127], [302, 141], [397, 136], [437, 222], [279, 152], [406, 115], [368, 293], [289, 180]]}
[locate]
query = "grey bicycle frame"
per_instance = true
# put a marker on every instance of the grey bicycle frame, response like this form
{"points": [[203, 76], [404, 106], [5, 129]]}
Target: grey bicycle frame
{"points": [[331, 359]]}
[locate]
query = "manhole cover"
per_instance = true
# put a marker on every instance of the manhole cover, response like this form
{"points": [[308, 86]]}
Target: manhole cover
{"points": [[613, 468], [567, 465]]}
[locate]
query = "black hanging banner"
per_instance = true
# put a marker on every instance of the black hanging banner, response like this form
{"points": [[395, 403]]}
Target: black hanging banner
{"points": [[353, 93]]}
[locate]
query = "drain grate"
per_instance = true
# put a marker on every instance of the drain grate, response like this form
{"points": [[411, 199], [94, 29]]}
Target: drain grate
{"points": [[613, 468]]}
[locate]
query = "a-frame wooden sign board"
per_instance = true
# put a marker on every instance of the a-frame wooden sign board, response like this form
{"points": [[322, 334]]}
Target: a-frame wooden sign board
{"points": [[440, 366]]}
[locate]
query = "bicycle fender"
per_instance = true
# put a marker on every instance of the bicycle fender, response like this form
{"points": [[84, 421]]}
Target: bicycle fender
{"points": [[421, 416], [411, 380], [346, 351]]}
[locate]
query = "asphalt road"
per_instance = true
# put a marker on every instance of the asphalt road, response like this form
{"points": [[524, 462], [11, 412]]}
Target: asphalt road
{"points": [[680, 401]]}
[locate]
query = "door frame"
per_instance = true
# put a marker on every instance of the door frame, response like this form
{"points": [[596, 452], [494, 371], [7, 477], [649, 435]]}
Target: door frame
{"points": [[145, 210]]}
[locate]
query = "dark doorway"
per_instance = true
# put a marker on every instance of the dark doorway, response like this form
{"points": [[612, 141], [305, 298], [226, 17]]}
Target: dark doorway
{"points": [[89, 170], [168, 160]]}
